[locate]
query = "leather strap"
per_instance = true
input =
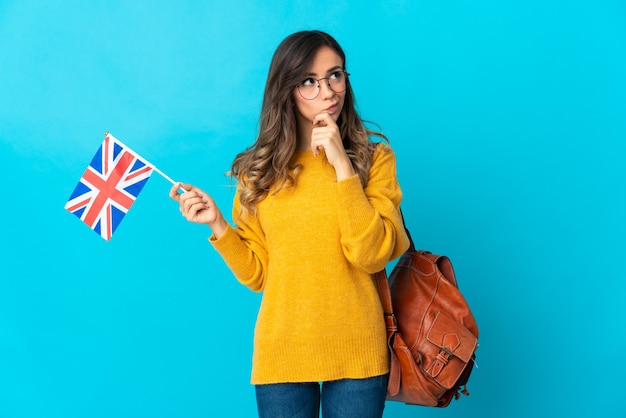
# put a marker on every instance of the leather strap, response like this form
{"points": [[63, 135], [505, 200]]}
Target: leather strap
{"points": [[385, 293], [385, 299], [395, 372]]}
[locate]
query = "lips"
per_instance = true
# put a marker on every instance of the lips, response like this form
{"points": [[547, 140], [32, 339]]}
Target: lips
{"points": [[332, 109]]}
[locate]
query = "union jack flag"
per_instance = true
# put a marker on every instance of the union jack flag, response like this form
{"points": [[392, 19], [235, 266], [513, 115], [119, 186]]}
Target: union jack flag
{"points": [[109, 187]]}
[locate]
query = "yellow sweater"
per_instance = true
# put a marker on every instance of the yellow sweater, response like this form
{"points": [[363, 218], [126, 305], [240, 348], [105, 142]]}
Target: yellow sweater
{"points": [[312, 250]]}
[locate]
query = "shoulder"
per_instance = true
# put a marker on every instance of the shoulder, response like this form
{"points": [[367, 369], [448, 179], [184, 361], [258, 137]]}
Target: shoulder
{"points": [[383, 154]]}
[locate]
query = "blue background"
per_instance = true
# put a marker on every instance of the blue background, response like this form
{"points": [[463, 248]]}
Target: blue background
{"points": [[508, 121]]}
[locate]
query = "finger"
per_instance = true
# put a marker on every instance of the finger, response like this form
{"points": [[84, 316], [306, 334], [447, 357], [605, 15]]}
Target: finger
{"points": [[191, 192], [176, 187], [194, 209], [324, 132], [174, 191], [191, 202], [208, 200], [197, 197], [323, 118], [319, 140], [325, 137], [186, 187], [190, 213]]}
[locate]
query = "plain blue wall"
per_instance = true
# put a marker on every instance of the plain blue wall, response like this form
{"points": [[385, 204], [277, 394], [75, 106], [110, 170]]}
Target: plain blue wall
{"points": [[508, 119]]}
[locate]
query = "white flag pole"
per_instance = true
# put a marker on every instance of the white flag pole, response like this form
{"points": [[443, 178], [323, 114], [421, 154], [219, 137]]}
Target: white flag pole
{"points": [[165, 176]]}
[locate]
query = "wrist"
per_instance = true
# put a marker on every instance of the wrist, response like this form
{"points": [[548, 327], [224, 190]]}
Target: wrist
{"points": [[344, 170], [218, 228]]}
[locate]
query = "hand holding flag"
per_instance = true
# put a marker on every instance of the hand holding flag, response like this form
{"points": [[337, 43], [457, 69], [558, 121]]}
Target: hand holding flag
{"points": [[199, 207]]}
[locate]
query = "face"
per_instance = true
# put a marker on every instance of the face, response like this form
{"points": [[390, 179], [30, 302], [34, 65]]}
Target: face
{"points": [[325, 64]]}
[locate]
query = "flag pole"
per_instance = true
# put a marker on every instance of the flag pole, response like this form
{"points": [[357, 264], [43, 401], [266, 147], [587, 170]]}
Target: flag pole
{"points": [[165, 176], [154, 167]]}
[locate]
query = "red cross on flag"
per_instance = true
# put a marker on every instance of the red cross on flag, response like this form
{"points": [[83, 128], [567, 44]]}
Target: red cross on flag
{"points": [[109, 186]]}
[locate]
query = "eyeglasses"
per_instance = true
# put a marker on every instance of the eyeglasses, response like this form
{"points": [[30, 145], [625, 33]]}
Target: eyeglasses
{"points": [[309, 89]]}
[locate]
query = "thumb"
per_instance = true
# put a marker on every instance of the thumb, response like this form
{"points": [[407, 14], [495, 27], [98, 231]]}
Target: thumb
{"points": [[184, 186]]}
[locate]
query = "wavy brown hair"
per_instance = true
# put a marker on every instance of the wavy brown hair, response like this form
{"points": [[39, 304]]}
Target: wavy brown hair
{"points": [[267, 164]]}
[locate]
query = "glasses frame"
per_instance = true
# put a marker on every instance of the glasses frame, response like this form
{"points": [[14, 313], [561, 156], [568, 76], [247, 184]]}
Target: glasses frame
{"points": [[319, 87]]}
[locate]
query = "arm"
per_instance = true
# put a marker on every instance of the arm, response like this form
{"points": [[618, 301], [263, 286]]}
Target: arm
{"points": [[242, 248], [372, 232]]}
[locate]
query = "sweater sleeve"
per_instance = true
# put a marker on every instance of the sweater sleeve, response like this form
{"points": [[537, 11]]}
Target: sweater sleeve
{"points": [[243, 249], [372, 231]]}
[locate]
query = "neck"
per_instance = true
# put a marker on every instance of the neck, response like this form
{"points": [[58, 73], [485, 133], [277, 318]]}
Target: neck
{"points": [[304, 138]]}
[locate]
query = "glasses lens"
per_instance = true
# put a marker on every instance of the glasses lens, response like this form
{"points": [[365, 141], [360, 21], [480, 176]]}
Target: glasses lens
{"points": [[337, 82], [309, 90]]}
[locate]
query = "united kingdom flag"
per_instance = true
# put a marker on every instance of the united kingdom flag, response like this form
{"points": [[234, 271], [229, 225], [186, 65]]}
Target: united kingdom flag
{"points": [[109, 187]]}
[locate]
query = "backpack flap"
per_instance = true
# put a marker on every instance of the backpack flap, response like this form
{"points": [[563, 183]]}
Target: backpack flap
{"points": [[451, 348]]}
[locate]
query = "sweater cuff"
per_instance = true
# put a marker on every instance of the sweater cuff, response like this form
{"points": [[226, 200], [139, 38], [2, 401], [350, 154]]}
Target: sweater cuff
{"points": [[228, 242]]}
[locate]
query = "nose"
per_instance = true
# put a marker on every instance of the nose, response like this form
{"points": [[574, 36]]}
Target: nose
{"points": [[325, 89]]}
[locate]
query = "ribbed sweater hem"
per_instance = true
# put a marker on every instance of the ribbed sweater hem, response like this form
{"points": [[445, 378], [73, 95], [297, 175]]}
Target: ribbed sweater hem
{"points": [[332, 358]]}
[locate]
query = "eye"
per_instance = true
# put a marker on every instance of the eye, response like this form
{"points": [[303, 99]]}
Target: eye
{"points": [[308, 82], [336, 76]]}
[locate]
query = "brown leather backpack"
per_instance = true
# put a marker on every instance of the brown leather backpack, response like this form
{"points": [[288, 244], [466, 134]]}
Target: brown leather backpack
{"points": [[431, 331]]}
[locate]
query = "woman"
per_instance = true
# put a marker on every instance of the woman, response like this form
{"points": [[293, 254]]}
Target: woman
{"points": [[316, 213]]}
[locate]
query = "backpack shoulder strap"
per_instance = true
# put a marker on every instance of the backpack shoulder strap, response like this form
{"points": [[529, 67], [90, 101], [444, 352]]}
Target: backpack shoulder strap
{"points": [[385, 299]]}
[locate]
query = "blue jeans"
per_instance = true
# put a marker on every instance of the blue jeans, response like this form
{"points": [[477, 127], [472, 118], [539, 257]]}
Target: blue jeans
{"points": [[345, 398]]}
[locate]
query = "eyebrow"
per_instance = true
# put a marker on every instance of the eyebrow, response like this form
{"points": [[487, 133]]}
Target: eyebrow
{"points": [[330, 70]]}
